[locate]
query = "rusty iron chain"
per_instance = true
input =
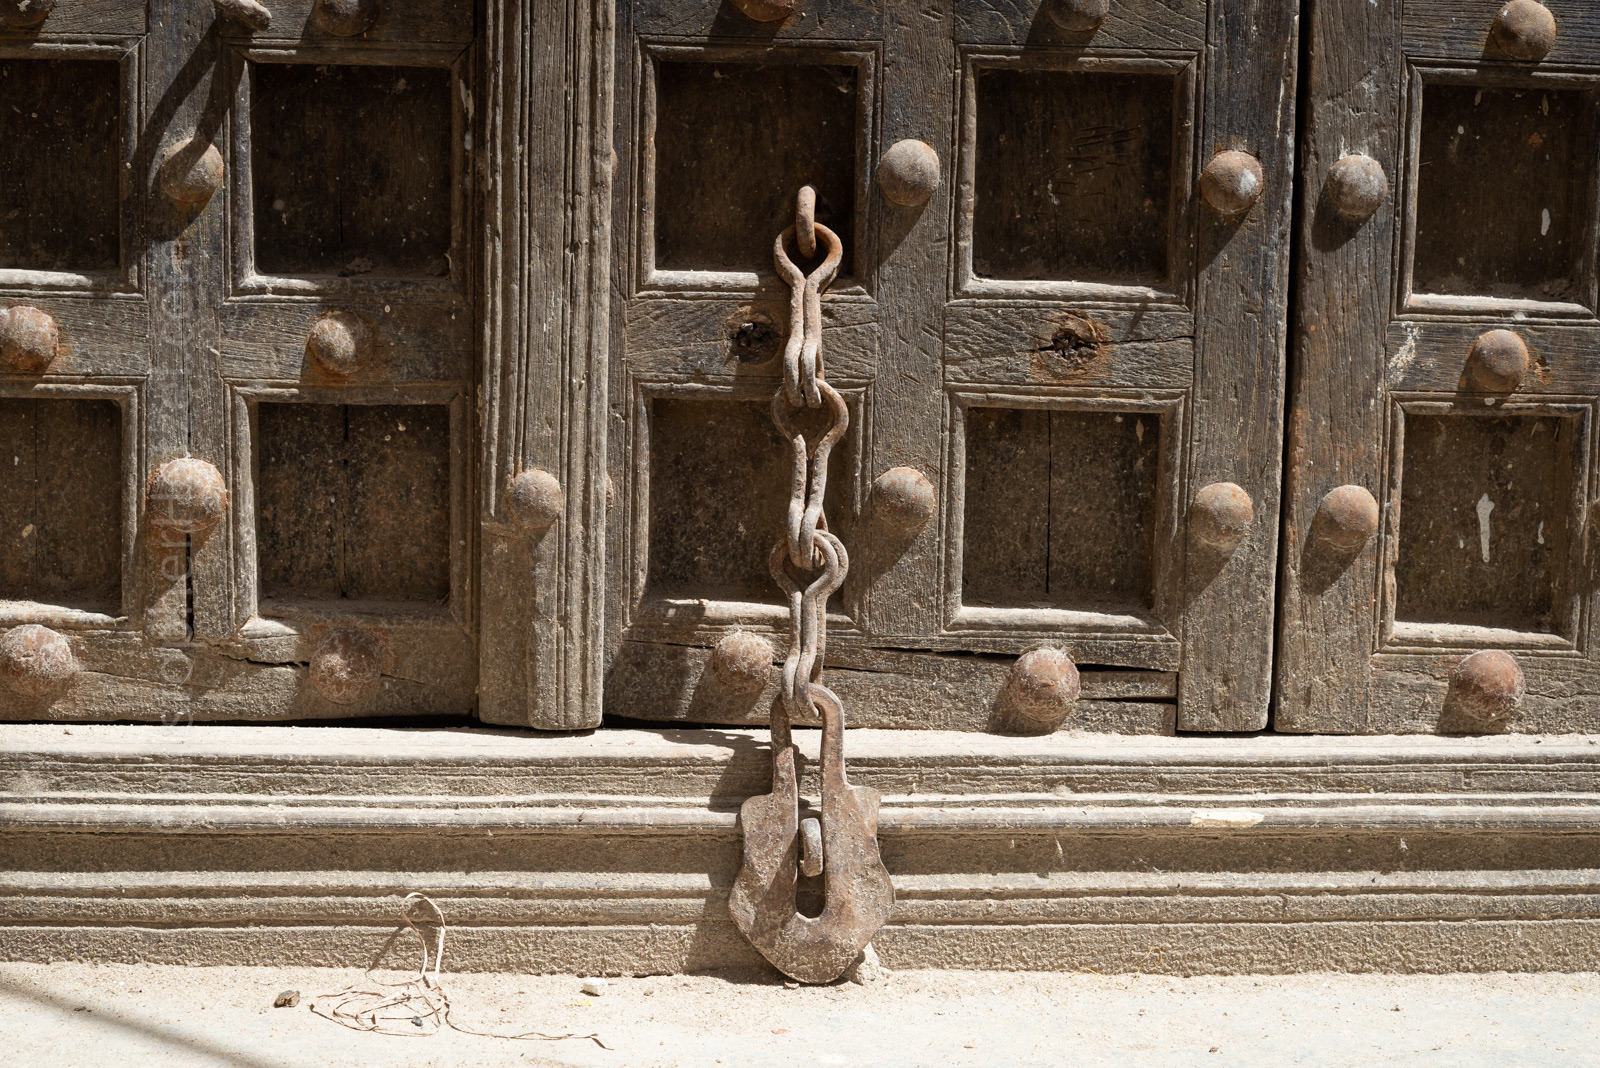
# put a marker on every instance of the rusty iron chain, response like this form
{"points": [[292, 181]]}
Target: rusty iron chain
{"points": [[809, 563], [807, 541]]}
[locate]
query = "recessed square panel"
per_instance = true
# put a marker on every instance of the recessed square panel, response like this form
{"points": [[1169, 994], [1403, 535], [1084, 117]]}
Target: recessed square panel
{"points": [[1061, 509], [351, 170], [353, 502], [1073, 176], [1505, 185], [1485, 511], [60, 147], [720, 475], [733, 143], [61, 503]]}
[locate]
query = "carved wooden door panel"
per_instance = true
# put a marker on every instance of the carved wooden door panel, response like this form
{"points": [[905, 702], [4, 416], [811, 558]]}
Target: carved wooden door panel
{"points": [[1439, 556], [1058, 329], [260, 463]]}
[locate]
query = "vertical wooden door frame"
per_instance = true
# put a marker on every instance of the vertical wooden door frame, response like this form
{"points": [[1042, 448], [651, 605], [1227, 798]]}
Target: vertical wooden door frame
{"points": [[547, 163]]}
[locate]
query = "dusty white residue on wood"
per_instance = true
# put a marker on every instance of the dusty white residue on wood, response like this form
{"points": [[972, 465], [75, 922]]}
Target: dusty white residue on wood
{"points": [[1406, 354], [1544, 222], [1485, 506]]}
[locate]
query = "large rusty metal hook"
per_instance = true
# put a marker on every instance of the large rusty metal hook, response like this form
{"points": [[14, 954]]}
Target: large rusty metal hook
{"points": [[859, 894]]}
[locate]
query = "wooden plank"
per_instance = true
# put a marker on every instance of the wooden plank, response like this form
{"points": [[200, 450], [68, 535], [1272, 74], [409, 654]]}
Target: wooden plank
{"points": [[826, 19], [880, 689], [1045, 344], [1423, 356], [74, 18], [377, 202], [741, 341], [1459, 30], [127, 678], [1476, 141], [78, 507], [902, 593], [1247, 104], [1354, 93], [19, 544], [1073, 176], [101, 336], [396, 537], [301, 490], [443, 21], [189, 581], [1155, 25], [411, 342]]}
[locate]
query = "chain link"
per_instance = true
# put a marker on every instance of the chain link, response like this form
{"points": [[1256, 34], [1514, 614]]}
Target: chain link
{"points": [[807, 544]]}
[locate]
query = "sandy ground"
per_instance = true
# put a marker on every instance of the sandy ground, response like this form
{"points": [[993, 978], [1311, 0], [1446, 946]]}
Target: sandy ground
{"points": [[124, 1015]]}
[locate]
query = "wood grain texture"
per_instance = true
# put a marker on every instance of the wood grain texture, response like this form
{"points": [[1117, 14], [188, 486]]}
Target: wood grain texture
{"points": [[1158, 25], [881, 689], [1505, 191], [60, 145], [1355, 82], [377, 199], [1090, 317], [61, 503], [1485, 540], [1073, 176], [1431, 357], [1459, 30], [73, 18], [742, 340], [547, 253], [1046, 344], [1241, 329], [266, 341], [399, 22], [825, 19]]}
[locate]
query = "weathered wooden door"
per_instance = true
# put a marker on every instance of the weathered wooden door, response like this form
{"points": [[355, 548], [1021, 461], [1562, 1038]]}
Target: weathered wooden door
{"points": [[254, 465], [1439, 539], [1058, 328]]}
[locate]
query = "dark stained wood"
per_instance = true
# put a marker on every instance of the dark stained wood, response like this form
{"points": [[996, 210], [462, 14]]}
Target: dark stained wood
{"points": [[1459, 30], [719, 478], [351, 169], [1505, 191], [61, 502], [1060, 509], [1485, 510], [732, 140], [397, 537], [1073, 175], [353, 502], [301, 491], [398, 22], [60, 152], [80, 17]]}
